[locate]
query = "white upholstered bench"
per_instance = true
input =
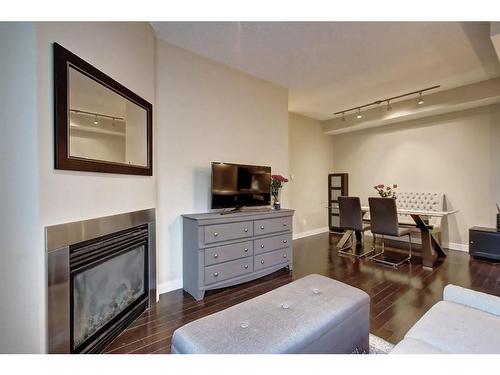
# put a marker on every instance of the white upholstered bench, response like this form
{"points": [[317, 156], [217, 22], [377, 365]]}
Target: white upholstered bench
{"points": [[421, 201], [314, 314]]}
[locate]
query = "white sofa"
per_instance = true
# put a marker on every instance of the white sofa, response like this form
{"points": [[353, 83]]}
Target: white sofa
{"points": [[465, 322]]}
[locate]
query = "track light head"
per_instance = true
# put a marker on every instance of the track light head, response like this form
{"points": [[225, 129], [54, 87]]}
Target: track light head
{"points": [[420, 99], [95, 120], [359, 113], [389, 107], [343, 116]]}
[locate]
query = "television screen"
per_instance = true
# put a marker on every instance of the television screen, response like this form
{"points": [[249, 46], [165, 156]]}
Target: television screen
{"points": [[237, 185]]}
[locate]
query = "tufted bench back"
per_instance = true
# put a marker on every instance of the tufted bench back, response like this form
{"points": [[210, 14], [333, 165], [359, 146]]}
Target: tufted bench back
{"points": [[421, 201]]}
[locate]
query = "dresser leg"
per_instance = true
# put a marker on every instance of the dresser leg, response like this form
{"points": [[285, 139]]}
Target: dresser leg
{"points": [[290, 267], [200, 295]]}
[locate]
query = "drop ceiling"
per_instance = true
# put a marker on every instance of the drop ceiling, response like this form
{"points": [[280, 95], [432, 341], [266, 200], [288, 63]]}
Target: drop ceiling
{"points": [[330, 66]]}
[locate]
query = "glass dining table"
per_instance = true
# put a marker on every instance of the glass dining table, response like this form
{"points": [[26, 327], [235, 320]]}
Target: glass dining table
{"points": [[431, 248]]}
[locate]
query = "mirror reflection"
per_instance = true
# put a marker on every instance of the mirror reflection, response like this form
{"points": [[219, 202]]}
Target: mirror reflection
{"points": [[104, 125]]}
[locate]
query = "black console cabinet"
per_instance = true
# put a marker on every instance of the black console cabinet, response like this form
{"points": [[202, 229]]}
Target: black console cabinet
{"points": [[484, 243]]}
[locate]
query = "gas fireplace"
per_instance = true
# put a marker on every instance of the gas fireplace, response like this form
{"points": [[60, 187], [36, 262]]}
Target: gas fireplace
{"points": [[99, 281]]}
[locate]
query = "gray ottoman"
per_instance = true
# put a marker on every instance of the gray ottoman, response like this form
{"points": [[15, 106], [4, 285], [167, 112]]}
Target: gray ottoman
{"points": [[314, 314]]}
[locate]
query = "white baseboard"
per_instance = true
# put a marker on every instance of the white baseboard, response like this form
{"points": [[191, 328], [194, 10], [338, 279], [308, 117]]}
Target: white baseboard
{"points": [[311, 232], [169, 286], [457, 246]]}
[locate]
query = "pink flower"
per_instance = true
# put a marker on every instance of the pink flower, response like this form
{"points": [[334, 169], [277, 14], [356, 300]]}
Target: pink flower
{"points": [[394, 186], [279, 178], [380, 186]]}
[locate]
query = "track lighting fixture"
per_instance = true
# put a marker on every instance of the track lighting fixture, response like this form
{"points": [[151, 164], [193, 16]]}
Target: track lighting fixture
{"points": [[420, 99], [96, 116], [385, 100]]}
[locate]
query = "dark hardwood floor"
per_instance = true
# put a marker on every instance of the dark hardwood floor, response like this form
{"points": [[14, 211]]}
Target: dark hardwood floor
{"points": [[399, 297]]}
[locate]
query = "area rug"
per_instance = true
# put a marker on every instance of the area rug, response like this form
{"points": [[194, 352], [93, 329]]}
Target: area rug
{"points": [[379, 345]]}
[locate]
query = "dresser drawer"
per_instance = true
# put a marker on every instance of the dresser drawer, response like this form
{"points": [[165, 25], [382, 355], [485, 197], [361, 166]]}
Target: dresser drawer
{"points": [[272, 243], [273, 258], [230, 231], [221, 254], [228, 270], [267, 226]]}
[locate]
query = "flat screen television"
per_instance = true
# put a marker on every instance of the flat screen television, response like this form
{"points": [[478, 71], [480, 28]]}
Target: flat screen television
{"points": [[238, 185]]}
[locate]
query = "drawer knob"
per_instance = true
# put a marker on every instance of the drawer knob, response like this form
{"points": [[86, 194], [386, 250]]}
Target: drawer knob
{"points": [[245, 266], [262, 261], [262, 246], [284, 224], [216, 234], [246, 229], [284, 255], [261, 227], [216, 255], [216, 274], [285, 241], [246, 250]]}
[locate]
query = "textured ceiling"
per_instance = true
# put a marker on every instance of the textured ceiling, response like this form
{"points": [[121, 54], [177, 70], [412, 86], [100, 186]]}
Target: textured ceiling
{"points": [[330, 66]]}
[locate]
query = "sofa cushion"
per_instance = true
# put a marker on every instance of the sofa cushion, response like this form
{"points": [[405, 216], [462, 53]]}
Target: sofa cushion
{"points": [[455, 328], [412, 346], [471, 298], [314, 314]]}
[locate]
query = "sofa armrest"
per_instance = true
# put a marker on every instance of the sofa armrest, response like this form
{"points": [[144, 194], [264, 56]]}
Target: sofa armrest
{"points": [[468, 297]]}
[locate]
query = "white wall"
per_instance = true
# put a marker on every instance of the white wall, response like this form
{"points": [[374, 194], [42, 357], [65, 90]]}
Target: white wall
{"points": [[311, 160], [457, 153], [124, 51], [21, 267], [207, 112]]}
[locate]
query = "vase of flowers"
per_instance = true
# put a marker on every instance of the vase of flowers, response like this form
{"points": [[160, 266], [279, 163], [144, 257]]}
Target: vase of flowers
{"points": [[277, 182], [386, 191]]}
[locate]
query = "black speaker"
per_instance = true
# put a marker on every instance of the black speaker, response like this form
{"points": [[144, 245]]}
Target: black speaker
{"points": [[484, 243]]}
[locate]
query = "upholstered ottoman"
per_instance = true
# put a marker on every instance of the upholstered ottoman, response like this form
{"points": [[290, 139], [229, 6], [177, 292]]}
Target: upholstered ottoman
{"points": [[314, 314]]}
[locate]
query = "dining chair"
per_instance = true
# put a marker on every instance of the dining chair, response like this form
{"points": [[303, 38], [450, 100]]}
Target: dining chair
{"points": [[351, 218], [384, 222]]}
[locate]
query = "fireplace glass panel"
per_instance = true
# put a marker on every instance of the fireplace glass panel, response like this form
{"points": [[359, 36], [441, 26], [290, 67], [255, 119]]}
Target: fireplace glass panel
{"points": [[100, 293]]}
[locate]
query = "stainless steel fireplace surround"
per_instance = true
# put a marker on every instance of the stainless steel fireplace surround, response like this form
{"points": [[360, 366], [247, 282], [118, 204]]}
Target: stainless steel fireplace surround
{"points": [[60, 239]]}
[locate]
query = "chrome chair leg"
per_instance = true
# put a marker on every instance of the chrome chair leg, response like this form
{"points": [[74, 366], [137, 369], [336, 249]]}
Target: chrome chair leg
{"points": [[353, 246], [409, 242], [388, 263]]}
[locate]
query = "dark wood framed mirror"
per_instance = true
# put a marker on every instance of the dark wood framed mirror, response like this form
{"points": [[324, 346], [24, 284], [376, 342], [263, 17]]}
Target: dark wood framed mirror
{"points": [[100, 125]]}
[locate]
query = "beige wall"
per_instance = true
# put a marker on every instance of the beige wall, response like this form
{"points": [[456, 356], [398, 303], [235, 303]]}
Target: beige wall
{"points": [[207, 112], [456, 153], [311, 159], [125, 51]]}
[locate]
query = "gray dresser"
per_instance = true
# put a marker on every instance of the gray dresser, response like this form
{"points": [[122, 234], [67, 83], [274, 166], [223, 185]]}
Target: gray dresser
{"points": [[223, 250]]}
